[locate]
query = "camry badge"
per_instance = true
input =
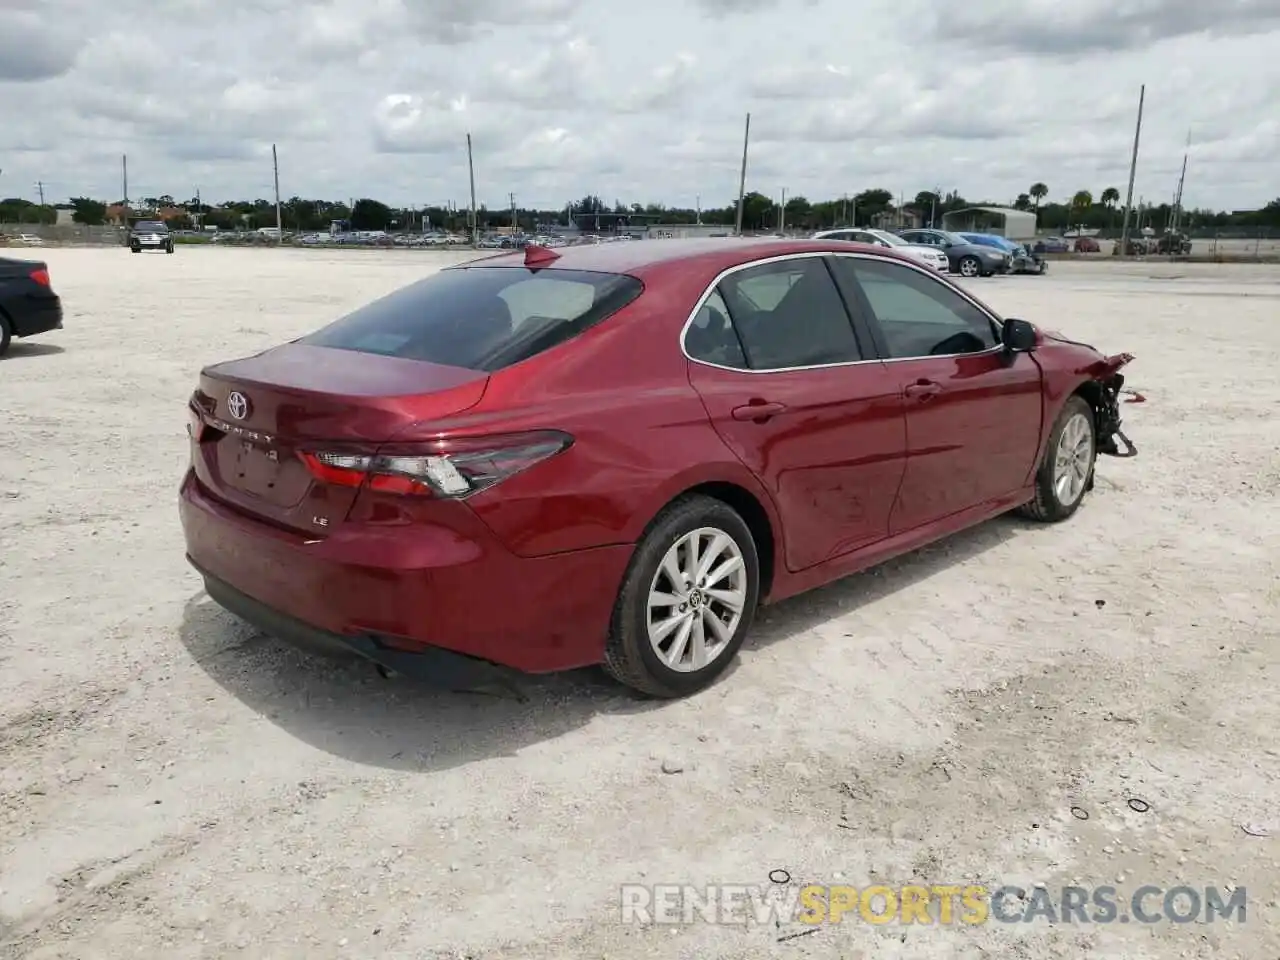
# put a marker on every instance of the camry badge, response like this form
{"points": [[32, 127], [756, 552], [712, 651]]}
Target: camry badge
{"points": [[237, 405]]}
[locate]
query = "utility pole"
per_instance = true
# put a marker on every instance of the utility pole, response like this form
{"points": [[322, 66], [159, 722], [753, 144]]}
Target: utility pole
{"points": [[697, 202], [40, 187], [512, 197], [471, 172], [199, 216], [1182, 179], [124, 177], [1133, 171], [782, 212], [275, 168], [742, 179]]}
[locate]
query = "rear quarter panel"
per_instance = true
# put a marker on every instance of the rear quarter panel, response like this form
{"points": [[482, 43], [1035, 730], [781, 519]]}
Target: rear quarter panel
{"points": [[641, 433]]}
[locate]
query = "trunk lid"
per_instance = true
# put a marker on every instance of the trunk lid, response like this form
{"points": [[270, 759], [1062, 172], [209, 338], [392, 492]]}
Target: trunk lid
{"points": [[11, 269], [261, 412]]}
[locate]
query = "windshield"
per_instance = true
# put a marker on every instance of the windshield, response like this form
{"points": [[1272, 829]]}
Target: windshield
{"points": [[953, 237], [481, 318], [149, 225], [892, 239]]}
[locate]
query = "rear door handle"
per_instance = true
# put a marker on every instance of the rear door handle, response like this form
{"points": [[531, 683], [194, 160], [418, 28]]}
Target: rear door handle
{"points": [[758, 410], [924, 389]]}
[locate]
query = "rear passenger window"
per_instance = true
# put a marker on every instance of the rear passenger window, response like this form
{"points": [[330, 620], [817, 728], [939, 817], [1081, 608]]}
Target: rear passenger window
{"points": [[789, 314], [711, 337]]}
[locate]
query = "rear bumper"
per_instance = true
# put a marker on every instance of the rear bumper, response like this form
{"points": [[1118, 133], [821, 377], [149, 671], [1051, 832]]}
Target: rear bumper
{"points": [[33, 315], [431, 664], [431, 601]]}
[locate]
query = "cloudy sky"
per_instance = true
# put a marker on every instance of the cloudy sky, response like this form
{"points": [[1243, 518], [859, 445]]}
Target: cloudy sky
{"points": [[642, 103]]}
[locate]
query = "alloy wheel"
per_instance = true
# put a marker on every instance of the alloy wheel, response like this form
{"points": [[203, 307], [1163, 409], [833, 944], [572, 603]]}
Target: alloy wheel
{"points": [[1073, 459], [696, 599]]}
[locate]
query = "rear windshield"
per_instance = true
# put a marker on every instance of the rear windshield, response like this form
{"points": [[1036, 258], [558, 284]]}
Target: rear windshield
{"points": [[481, 318]]}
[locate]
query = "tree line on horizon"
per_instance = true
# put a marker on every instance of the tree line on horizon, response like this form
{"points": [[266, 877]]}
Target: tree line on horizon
{"points": [[760, 212]]}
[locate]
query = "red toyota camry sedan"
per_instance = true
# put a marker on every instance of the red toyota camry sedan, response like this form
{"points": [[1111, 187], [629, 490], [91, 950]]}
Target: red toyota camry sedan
{"points": [[613, 454]]}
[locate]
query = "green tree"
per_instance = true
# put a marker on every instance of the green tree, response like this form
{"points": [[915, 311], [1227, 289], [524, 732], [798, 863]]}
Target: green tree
{"points": [[370, 215], [869, 204], [758, 211], [799, 214], [89, 212], [1038, 192], [927, 202], [1110, 197]]}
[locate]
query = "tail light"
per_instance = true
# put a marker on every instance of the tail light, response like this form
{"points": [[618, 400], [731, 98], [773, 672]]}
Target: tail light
{"points": [[195, 423], [447, 468], [41, 277]]}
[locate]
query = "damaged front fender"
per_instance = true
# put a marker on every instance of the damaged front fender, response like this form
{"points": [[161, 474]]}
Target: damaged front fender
{"points": [[1106, 403], [1107, 367]]}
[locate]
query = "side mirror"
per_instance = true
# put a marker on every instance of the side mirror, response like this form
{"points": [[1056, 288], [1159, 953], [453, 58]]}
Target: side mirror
{"points": [[1018, 336]]}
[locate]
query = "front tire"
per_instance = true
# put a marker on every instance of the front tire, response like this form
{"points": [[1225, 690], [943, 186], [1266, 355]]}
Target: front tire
{"points": [[1066, 472], [970, 267], [687, 601]]}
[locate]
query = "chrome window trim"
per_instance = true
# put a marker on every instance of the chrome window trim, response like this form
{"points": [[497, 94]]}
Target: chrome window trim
{"points": [[857, 255]]}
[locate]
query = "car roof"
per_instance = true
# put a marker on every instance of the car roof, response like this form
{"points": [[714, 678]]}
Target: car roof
{"points": [[711, 253]]}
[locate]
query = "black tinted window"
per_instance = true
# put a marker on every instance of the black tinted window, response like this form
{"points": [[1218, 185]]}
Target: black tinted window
{"points": [[711, 337], [919, 316], [481, 318], [789, 314]]}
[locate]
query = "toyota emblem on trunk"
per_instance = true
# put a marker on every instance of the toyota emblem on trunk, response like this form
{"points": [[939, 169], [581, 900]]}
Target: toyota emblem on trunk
{"points": [[237, 405]]}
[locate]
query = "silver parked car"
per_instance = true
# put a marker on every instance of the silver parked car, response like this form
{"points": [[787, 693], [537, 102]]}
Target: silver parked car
{"points": [[930, 256]]}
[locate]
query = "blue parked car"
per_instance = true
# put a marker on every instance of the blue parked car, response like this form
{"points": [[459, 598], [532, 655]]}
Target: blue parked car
{"points": [[1021, 260], [991, 240]]}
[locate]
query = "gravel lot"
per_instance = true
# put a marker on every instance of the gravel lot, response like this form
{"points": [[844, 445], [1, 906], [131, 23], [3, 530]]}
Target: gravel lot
{"points": [[173, 785]]}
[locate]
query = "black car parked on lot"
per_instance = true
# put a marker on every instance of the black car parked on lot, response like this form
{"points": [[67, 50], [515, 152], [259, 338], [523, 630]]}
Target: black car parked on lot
{"points": [[150, 235], [967, 259], [28, 304]]}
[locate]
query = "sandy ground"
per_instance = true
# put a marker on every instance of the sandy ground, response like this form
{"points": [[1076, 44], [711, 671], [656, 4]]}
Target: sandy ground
{"points": [[174, 785]]}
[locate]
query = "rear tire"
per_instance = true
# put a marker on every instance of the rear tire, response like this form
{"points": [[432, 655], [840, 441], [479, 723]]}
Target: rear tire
{"points": [[6, 334], [1065, 474], [654, 645]]}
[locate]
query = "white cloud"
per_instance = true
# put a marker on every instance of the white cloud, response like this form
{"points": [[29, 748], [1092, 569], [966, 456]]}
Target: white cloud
{"points": [[643, 104]]}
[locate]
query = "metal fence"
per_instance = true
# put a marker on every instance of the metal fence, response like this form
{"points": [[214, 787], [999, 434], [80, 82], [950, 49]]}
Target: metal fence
{"points": [[1236, 244], [69, 234]]}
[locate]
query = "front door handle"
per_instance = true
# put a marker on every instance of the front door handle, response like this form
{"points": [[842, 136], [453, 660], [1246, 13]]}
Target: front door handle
{"points": [[923, 390], [758, 410]]}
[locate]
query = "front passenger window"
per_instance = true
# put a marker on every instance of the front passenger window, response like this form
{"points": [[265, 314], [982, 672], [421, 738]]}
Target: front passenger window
{"points": [[918, 315]]}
